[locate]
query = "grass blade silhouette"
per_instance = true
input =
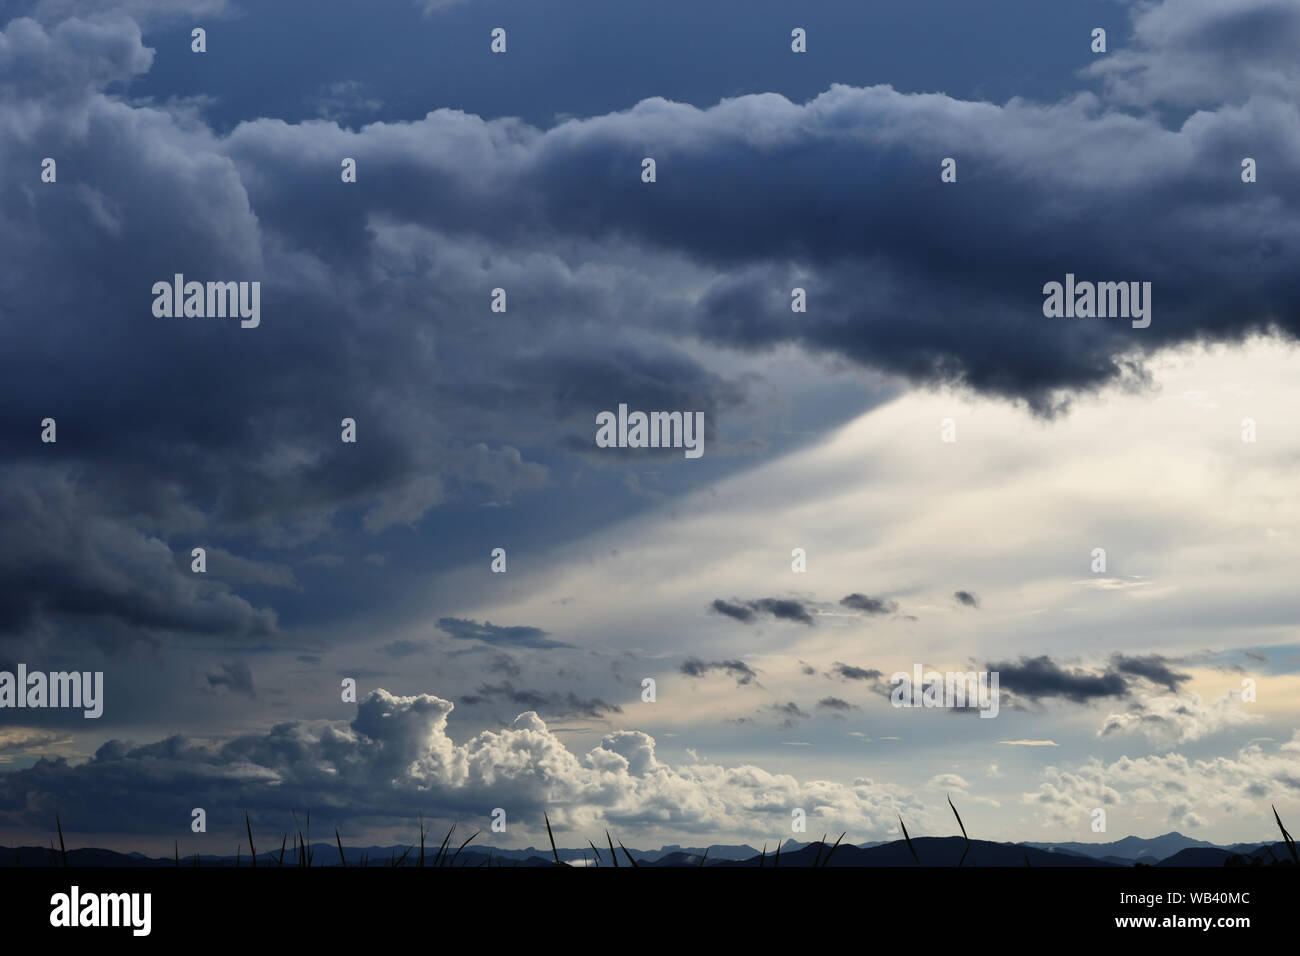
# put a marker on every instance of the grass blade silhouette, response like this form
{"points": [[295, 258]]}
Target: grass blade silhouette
{"points": [[593, 850], [820, 846], [338, 841], [63, 851], [910, 848], [550, 836], [963, 832], [628, 855], [612, 855], [1290, 843], [837, 843], [437, 860], [252, 850], [462, 846]]}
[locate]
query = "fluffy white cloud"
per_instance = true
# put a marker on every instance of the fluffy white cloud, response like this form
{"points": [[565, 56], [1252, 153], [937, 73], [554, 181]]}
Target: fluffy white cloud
{"points": [[396, 759], [1173, 719], [1185, 791]]}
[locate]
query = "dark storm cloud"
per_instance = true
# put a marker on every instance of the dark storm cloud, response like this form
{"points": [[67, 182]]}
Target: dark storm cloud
{"points": [[783, 609], [70, 556], [980, 257], [238, 430], [366, 289], [966, 598], [869, 605], [489, 633], [742, 672], [174, 432]]}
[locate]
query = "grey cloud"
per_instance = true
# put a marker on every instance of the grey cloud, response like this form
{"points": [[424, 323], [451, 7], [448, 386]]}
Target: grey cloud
{"points": [[742, 672], [156, 191], [789, 712], [834, 703], [504, 664], [849, 672], [489, 633], [783, 609], [547, 703], [1152, 667], [733, 609], [869, 605], [1041, 677], [1199, 52], [68, 554], [235, 677]]}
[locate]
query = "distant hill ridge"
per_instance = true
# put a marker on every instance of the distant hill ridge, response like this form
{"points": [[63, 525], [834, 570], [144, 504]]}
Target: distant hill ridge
{"points": [[1169, 849]]}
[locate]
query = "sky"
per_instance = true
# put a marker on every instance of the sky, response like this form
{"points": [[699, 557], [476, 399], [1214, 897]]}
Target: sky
{"points": [[946, 457]]}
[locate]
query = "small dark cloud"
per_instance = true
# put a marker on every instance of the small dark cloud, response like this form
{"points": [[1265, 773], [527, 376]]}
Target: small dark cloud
{"points": [[489, 633], [783, 609], [504, 664], [869, 605], [1041, 677], [235, 677], [808, 669], [742, 672], [849, 672], [546, 703], [967, 598], [1152, 667], [789, 713], [737, 611], [834, 703]]}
